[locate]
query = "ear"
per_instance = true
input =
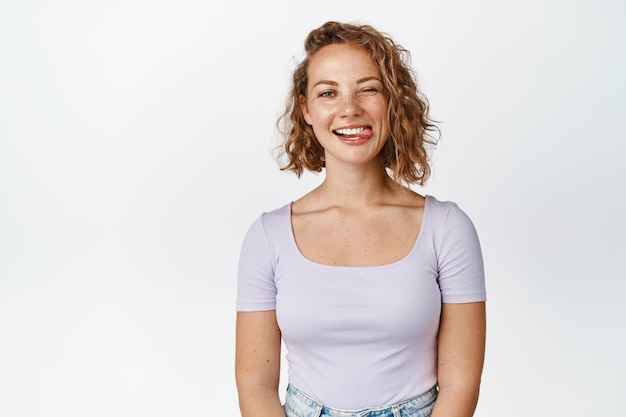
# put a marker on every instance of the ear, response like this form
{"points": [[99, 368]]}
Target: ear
{"points": [[305, 110]]}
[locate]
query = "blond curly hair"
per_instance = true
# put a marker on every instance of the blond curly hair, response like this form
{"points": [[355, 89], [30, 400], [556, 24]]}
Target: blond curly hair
{"points": [[405, 155]]}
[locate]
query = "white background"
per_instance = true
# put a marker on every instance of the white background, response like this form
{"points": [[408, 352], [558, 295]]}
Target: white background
{"points": [[135, 150]]}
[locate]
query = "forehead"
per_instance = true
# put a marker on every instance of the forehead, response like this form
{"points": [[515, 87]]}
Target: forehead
{"points": [[342, 61]]}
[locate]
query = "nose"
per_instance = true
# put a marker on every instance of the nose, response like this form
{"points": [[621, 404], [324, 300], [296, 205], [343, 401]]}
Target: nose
{"points": [[350, 106]]}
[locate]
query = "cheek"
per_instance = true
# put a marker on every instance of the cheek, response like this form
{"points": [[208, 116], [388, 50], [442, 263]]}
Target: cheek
{"points": [[316, 115]]}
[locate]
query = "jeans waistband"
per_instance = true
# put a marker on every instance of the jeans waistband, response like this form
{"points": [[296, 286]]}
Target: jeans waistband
{"points": [[298, 404]]}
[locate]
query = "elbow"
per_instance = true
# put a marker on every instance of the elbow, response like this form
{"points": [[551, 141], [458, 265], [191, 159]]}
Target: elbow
{"points": [[251, 380], [465, 387]]}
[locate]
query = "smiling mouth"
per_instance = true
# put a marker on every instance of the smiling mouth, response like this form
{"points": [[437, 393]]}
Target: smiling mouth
{"points": [[364, 132]]}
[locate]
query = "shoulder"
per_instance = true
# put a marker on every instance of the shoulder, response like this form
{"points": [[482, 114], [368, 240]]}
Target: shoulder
{"points": [[276, 217], [270, 226], [448, 222], [264, 239], [445, 212], [268, 219], [440, 207]]}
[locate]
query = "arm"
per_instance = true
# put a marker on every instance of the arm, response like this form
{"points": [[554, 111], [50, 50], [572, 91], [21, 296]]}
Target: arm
{"points": [[257, 364], [461, 354]]}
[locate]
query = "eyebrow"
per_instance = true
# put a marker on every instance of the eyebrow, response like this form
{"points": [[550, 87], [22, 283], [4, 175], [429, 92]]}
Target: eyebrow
{"points": [[359, 81], [362, 80]]}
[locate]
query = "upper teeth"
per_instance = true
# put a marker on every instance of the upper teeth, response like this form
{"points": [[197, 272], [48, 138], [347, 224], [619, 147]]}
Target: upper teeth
{"points": [[353, 131]]}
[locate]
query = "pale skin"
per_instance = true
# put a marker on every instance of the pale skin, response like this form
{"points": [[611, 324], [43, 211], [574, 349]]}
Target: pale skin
{"points": [[356, 217]]}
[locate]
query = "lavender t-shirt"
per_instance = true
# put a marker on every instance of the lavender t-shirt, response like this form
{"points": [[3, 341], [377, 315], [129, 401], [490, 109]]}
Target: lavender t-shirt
{"points": [[360, 337]]}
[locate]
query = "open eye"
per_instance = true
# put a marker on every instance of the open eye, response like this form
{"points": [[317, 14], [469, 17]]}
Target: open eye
{"points": [[326, 94]]}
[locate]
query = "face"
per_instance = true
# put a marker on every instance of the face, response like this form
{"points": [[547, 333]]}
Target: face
{"points": [[345, 105]]}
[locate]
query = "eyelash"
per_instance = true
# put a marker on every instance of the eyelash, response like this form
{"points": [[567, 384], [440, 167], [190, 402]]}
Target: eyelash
{"points": [[332, 93]]}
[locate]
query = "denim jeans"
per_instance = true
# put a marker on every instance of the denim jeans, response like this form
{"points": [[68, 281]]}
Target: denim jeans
{"points": [[297, 404]]}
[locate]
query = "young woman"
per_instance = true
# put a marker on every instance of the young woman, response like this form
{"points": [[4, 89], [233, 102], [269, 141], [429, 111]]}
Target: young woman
{"points": [[377, 291]]}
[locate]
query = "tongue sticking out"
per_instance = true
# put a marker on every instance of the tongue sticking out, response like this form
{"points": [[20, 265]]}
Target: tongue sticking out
{"points": [[365, 134]]}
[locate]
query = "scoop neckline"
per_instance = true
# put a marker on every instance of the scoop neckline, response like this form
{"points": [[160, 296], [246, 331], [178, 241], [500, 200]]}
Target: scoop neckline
{"points": [[292, 241]]}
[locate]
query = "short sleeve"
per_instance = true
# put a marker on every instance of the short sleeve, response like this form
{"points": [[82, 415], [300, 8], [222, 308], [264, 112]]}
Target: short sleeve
{"points": [[459, 258], [256, 288]]}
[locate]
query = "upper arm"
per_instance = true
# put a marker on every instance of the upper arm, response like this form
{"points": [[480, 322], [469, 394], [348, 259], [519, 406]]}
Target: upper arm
{"points": [[256, 289], [461, 344], [460, 262], [258, 342]]}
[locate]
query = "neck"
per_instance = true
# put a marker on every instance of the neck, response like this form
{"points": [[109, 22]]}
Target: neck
{"points": [[356, 186]]}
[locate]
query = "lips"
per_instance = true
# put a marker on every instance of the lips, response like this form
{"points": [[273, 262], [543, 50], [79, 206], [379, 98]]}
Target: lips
{"points": [[354, 133]]}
